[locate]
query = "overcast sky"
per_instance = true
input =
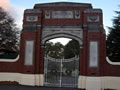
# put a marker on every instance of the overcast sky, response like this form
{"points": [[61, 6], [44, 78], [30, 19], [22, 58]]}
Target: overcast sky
{"points": [[16, 8]]}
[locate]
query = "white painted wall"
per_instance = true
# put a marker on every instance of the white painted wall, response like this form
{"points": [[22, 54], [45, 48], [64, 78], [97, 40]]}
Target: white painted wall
{"points": [[98, 83], [84, 82], [23, 79]]}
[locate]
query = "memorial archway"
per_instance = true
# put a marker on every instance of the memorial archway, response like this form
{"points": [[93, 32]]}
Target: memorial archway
{"points": [[77, 21], [61, 72]]}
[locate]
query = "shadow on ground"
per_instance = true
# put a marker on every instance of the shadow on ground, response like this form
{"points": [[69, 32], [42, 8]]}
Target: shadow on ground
{"points": [[21, 87]]}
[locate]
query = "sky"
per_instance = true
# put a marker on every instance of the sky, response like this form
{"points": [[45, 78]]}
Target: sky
{"points": [[17, 7]]}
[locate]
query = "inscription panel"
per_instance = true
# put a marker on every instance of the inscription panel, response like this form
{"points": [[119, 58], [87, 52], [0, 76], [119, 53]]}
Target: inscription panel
{"points": [[93, 54], [62, 14], [29, 52]]}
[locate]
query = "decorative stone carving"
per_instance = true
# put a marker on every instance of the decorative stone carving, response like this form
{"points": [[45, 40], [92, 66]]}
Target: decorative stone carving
{"points": [[62, 14], [73, 32], [32, 18], [93, 18], [47, 14], [77, 14]]}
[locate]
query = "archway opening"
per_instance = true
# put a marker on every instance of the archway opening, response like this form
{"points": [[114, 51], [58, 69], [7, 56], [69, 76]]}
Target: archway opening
{"points": [[61, 62], [62, 48]]}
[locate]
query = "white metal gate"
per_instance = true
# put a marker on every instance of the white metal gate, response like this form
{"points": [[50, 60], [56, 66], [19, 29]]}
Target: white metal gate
{"points": [[61, 72]]}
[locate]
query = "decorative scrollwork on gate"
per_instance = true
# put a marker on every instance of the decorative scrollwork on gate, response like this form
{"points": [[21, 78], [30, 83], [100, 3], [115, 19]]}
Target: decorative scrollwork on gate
{"points": [[61, 72]]}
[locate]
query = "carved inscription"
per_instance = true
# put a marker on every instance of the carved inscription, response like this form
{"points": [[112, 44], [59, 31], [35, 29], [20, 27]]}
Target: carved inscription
{"points": [[63, 14]]}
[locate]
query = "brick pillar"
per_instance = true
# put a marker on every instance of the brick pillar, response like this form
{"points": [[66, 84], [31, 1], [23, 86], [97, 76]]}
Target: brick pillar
{"points": [[41, 60], [38, 38]]}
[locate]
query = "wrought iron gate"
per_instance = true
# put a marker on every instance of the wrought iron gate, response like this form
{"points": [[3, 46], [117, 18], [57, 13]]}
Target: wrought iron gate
{"points": [[61, 72]]}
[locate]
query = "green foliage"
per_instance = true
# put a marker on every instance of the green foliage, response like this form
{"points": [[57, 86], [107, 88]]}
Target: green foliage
{"points": [[71, 49], [7, 54], [57, 50], [8, 31], [113, 40]]}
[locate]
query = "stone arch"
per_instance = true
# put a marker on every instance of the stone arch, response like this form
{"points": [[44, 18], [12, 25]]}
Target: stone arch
{"points": [[51, 32], [65, 35]]}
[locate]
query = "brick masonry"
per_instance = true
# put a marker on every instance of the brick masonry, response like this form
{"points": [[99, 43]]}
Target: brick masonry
{"points": [[90, 21]]}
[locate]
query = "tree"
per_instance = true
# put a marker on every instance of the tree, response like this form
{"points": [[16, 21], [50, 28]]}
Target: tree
{"points": [[113, 40], [71, 49], [8, 31], [55, 50]]}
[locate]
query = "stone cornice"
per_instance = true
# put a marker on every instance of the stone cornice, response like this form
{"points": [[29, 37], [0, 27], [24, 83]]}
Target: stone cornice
{"points": [[54, 4], [32, 11], [93, 11]]}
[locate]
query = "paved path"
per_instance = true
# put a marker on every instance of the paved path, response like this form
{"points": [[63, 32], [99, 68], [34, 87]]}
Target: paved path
{"points": [[20, 87]]}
